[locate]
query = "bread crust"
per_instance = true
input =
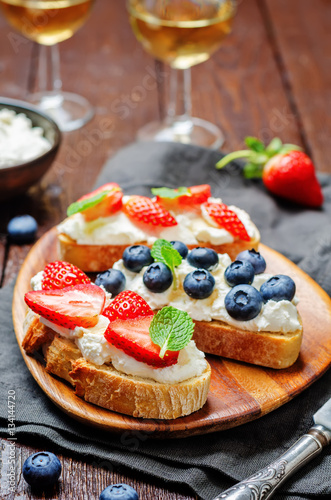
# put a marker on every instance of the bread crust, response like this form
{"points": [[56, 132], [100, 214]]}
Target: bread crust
{"points": [[107, 387], [269, 349], [96, 258]]}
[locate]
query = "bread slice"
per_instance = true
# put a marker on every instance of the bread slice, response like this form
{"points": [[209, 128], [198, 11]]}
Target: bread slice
{"points": [[107, 387], [269, 349], [96, 258]]}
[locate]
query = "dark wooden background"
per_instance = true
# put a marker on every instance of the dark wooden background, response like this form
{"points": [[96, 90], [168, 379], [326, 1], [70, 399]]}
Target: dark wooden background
{"points": [[272, 77]]}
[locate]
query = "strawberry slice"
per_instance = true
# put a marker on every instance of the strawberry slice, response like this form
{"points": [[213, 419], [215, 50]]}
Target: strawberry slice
{"points": [[225, 218], [183, 198], [60, 274], [127, 305], [143, 210], [128, 330], [69, 307], [103, 202]]}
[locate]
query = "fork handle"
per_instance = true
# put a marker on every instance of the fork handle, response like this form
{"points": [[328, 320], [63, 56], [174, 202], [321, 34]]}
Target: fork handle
{"points": [[262, 484]]}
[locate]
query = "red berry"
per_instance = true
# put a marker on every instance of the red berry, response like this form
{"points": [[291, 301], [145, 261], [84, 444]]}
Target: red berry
{"points": [[127, 305], [128, 330], [198, 195], [227, 219], [292, 176], [143, 210], [93, 207], [195, 196], [69, 307], [59, 274]]}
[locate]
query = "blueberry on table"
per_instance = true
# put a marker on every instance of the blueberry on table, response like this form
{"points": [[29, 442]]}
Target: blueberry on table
{"points": [[42, 469], [239, 272], [136, 257], [203, 258], [243, 302], [279, 287], [181, 248], [199, 284], [255, 258], [119, 492], [22, 229], [112, 280], [157, 277]]}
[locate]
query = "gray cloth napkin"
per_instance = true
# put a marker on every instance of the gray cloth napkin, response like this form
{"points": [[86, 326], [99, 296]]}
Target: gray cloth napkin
{"points": [[210, 463]]}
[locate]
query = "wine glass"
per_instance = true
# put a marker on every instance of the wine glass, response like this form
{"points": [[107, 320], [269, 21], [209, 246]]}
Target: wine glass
{"points": [[181, 33], [49, 22]]}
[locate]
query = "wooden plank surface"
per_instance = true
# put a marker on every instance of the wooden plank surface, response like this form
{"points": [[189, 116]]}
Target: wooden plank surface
{"points": [[272, 77]]}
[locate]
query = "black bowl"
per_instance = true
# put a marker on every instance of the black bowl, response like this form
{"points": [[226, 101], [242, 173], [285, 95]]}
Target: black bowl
{"points": [[16, 179]]}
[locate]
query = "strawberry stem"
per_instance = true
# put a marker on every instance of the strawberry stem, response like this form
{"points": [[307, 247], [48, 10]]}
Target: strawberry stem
{"points": [[246, 153]]}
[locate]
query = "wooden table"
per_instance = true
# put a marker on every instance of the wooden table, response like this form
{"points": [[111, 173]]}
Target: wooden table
{"points": [[271, 78]]}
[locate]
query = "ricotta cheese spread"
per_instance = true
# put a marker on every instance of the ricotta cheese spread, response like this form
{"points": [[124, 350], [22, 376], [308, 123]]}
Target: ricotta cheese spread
{"points": [[118, 229], [275, 316], [19, 140], [96, 349]]}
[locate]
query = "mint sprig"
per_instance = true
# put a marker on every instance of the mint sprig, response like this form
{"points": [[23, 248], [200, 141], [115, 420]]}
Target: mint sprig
{"points": [[80, 206], [171, 329], [163, 251], [164, 192]]}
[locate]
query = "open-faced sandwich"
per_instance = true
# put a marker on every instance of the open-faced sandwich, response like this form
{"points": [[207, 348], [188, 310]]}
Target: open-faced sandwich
{"points": [[117, 354], [239, 311], [101, 224]]}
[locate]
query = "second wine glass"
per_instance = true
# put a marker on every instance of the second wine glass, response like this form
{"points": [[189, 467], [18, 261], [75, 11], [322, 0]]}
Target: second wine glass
{"points": [[181, 33], [49, 22]]}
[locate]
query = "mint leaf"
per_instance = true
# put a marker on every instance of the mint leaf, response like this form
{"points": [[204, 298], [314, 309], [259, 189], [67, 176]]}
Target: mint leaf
{"points": [[80, 206], [171, 329], [169, 193], [163, 251], [255, 144]]}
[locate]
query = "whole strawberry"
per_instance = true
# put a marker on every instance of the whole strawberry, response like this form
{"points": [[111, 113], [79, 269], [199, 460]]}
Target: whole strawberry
{"points": [[285, 170]]}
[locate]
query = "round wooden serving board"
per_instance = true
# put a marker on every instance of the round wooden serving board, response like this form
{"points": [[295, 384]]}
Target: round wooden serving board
{"points": [[239, 392]]}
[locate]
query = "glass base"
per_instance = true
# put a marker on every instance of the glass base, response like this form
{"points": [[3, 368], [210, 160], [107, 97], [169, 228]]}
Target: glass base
{"points": [[190, 131], [69, 111]]}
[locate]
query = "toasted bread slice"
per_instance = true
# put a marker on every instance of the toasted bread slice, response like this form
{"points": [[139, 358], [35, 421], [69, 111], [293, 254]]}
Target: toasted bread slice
{"points": [[107, 387], [96, 258], [269, 349]]}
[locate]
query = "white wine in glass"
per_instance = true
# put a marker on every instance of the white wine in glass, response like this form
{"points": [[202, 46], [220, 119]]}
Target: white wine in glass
{"points": [[49, 22], [181, 33]]}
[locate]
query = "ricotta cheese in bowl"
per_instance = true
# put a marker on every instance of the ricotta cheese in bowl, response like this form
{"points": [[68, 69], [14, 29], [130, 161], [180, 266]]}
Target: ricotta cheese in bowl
{"points": [[20, 141]]}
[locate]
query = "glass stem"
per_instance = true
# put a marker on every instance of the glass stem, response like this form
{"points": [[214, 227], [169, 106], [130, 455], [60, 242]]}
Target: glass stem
{"points": [[49, 78], [180, 104]]}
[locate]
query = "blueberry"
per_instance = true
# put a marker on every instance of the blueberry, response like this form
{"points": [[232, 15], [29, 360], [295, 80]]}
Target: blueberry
{"points": [[136, 257], [203, 258], [255, 258], [157, 277], [279, 287], [239, 272], [22, 229], [199, 284], [42, 469], [181, 248], [243, 302], [119, 492], [112, 280]]}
